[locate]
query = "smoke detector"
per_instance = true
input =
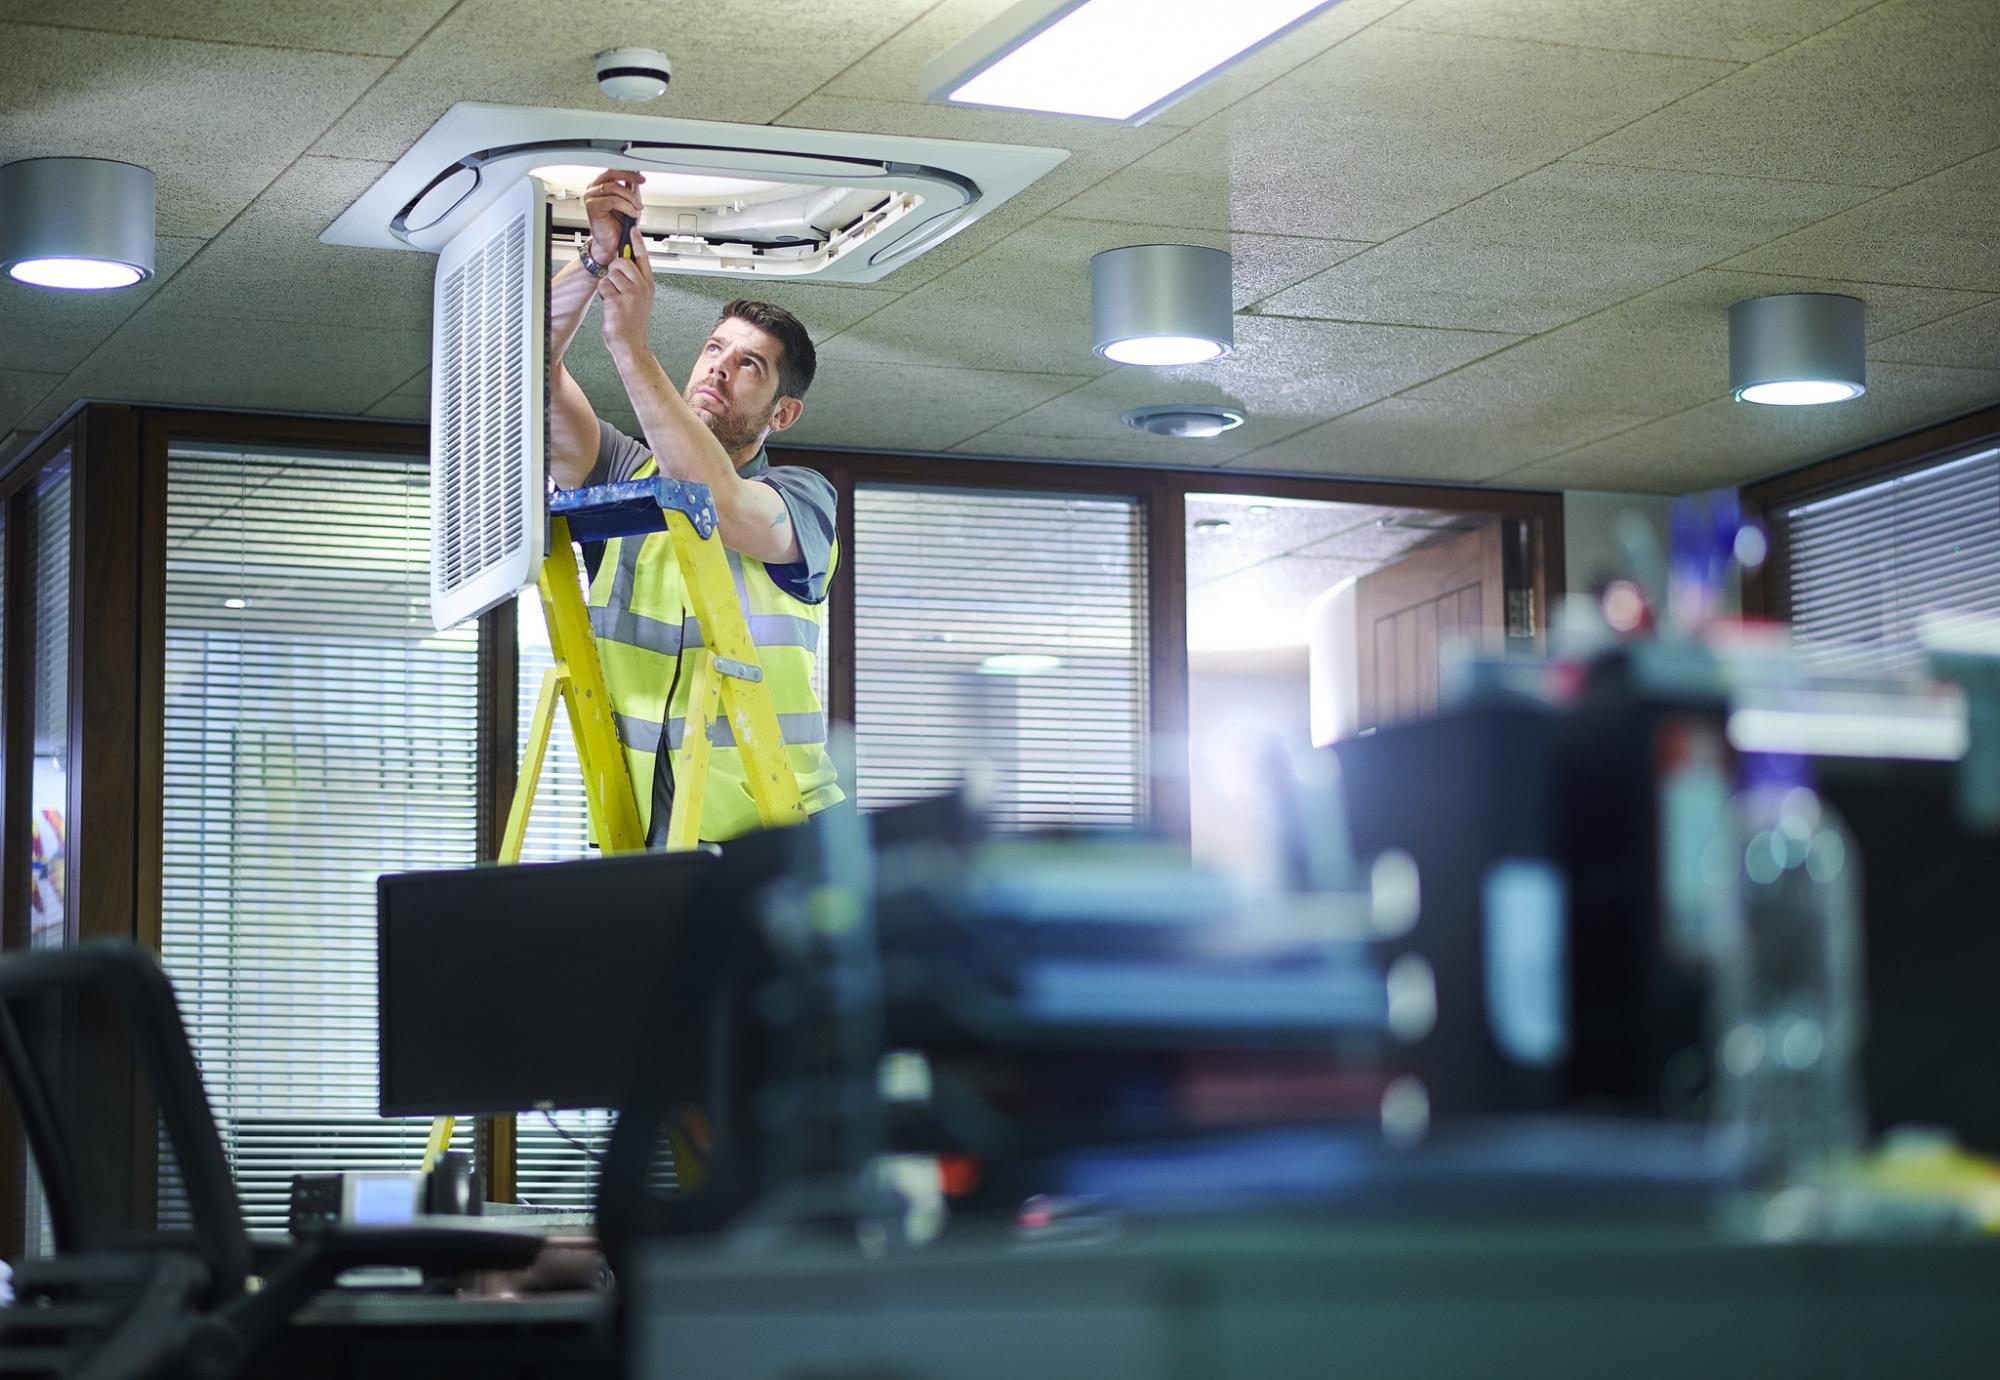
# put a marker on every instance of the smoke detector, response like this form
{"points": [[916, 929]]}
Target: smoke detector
{"points": [[746, 201], [1187, 420], [632, 74]]}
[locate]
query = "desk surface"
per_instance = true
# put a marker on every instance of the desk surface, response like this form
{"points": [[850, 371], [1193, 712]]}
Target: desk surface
{"points": [[379, 1336], [362, 1308], [1287, 1300]]}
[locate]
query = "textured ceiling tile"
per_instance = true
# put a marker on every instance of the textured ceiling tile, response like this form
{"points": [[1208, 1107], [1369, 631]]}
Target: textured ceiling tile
{"points": [[269, 264], [1096, 150], [1287, 375], [1730, 30], [1944, 231], [1727, 442], [1970, 340], [914, 408], [402, 407], [338, 26], [1660, 353], [529, 52], [1023, 304], [1557, 244], [227, 362], [1896, 92], [1387, 130], [1268, 264], [41, 329], [20, 390], [1412, 439], [1323, 32], [215, 122], [1132, 448]]}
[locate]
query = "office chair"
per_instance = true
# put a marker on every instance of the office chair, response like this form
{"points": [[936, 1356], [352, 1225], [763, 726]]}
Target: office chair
{"points": [[92, 1045]]}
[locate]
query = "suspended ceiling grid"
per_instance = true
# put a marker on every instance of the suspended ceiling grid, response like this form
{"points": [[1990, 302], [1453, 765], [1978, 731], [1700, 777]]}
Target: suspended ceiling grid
{"points": [[1480, 241]]}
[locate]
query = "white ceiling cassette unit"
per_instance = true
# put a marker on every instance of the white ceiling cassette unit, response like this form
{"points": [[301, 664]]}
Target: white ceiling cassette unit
{"points": [[750, 201]]}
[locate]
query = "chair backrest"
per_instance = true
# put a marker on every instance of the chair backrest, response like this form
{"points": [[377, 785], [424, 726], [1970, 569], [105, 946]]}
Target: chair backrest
{"points": [[92, 1049]]}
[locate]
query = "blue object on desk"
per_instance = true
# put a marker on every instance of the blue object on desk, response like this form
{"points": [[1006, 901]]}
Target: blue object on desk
{"points": [[603, 511]]}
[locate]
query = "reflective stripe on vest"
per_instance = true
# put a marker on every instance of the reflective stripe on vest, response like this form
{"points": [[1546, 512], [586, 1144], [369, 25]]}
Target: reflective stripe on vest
{"points": [[766, 630], [797, 730]]}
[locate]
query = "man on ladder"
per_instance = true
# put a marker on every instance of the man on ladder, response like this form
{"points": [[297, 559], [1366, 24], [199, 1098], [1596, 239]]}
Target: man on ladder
{"points": [[777, 524]]}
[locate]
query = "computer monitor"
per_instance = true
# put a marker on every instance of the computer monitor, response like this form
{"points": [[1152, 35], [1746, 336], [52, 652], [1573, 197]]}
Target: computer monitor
{"points": [[509, 988]]}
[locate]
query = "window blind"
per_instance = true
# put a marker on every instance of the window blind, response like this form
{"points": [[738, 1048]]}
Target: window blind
{"points": [[318, 734], [1867, 565], [48, 523], [1004, 628], [49, 541]]}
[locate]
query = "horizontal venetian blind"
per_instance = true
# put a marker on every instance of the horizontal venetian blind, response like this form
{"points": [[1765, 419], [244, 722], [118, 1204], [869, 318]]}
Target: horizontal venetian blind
{"points": [[319, 732], [1009, 629], [1867, 565]]}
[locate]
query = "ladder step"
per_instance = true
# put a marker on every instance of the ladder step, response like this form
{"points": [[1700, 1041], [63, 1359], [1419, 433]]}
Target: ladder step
{"points": [[599, 512]]}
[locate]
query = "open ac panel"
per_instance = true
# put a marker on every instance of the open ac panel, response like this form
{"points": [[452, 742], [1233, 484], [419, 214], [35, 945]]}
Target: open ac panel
{"points": [[750, 201]]}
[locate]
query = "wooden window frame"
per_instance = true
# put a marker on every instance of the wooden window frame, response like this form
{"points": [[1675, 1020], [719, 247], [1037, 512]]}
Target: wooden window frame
{"points": [[1767, 591], [64, 438]]}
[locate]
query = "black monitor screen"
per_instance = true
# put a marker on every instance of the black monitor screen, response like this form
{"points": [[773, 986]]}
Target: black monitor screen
{"points": [[509, 988]]}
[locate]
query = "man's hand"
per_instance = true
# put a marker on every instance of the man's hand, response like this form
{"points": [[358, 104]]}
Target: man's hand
{"points": [[611, 194], [627, 293]]}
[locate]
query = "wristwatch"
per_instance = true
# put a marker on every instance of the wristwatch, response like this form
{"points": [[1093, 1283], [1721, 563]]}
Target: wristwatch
{"points": [[590, 265]]}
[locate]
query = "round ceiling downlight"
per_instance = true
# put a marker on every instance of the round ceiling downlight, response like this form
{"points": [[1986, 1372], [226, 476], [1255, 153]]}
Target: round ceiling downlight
{"points": [[77, 275], [80, 224], [1185, 420], [1798, 349], [1799, 392], [1159, 305]]}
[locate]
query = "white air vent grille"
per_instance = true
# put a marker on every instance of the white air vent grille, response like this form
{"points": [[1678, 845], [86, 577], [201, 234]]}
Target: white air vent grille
{"points": [[488, 390]]}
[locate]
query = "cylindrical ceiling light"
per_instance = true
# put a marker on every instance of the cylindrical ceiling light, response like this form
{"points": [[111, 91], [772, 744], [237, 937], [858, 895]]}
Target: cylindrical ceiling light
{"points": [[1797, 349], [76, 222], [1160, 304]]}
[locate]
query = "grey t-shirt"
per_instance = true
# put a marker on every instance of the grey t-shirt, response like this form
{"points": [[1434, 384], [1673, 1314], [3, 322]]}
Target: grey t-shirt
{"points": [[808, 496]]}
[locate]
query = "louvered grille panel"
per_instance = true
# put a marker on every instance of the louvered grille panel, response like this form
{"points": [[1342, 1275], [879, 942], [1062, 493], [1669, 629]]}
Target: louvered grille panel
{"points": [[1868, 565], [317, 735], [489, 401], [948, 580]]}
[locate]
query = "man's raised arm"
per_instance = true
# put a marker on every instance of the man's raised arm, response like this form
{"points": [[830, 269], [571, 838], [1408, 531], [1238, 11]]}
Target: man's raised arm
{"points": [[573, 432]]}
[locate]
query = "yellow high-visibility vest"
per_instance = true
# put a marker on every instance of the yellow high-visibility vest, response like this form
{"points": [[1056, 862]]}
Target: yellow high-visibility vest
{"points": [[640, 611]]}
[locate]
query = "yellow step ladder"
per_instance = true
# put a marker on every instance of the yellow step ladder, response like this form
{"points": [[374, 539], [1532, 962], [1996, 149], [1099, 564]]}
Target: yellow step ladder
{"points": [[726, 684]]}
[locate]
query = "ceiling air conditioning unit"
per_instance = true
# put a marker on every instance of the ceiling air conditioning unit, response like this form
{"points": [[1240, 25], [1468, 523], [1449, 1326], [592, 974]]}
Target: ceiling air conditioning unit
{"points": [[750, 201]]}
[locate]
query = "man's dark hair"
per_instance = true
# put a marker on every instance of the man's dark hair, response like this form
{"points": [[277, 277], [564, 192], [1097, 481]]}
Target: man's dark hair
{"points": [[798, 362]]}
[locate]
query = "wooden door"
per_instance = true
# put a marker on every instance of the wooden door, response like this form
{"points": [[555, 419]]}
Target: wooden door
{"points": [[1406, 611]]}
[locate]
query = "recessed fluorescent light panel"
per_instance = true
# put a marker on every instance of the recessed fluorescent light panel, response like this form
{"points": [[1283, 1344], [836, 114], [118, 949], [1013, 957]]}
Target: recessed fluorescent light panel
{"points": [[1106, 59]]}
